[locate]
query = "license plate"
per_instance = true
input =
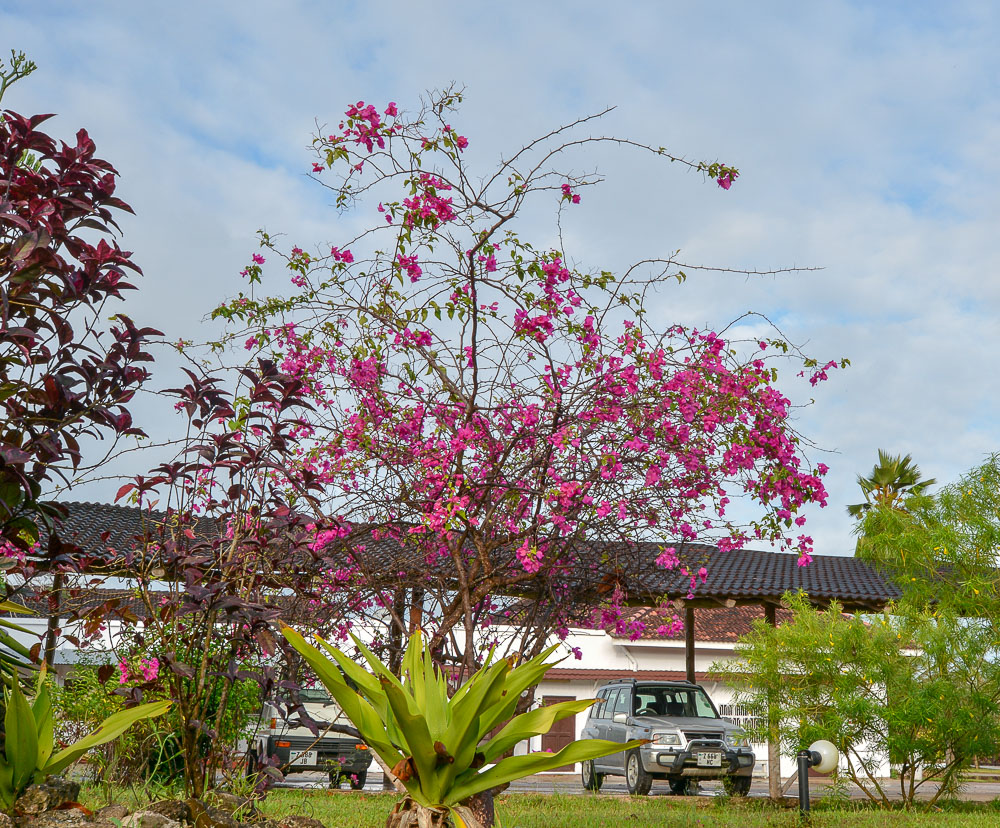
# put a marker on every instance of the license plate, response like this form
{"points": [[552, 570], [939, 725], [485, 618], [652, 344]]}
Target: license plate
{"points": [[302, 757], [709, 759]]}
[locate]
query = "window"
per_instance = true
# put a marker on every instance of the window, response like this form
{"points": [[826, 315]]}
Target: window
{"points": [[608, 711], [651, 700], [622, 703], [599, 711]]}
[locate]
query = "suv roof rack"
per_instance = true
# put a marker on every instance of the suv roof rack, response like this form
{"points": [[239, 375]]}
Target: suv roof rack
{"points": [[650, 681]]}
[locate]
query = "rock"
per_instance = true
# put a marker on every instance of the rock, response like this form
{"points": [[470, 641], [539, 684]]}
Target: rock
{"points": [[230, 803], [6, 821], [68, 818], [299, 821], [111, 812], [47, 796], [208, 816], [176, 809], [149, 819]]}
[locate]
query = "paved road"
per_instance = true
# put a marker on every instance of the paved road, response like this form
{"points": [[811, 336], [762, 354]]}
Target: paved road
{"points": [[566, 783]]}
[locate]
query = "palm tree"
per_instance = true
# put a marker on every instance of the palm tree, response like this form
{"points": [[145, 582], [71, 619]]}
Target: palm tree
{"points": [[892, 480]]}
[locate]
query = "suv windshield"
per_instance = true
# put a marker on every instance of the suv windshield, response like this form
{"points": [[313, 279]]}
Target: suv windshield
{"points": [[693, 702], [315, 695]]}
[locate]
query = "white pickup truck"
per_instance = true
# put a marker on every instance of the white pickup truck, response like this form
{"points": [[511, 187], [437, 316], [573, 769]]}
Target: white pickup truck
{"points": [[298, 750]]}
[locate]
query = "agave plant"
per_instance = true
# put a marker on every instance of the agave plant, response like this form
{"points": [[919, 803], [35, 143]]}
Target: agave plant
{"points": [[28, 753], [14, 655], [438, 746]]}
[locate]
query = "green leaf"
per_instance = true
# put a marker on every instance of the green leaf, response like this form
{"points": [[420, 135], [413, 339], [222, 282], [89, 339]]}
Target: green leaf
{"points": [[518, 680], [112, 727], [7, 793], [360, 711], [11, 606], [533, 723], [418, 739], [517, 767], [21, 739], [41, 708]]}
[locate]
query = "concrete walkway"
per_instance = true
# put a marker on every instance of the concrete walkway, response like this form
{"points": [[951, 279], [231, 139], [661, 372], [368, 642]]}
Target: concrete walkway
{"points": [[569, 784]]}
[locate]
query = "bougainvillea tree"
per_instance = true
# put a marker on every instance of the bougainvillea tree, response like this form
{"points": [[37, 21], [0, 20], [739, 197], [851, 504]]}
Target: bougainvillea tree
{"points": [[494, 424]]}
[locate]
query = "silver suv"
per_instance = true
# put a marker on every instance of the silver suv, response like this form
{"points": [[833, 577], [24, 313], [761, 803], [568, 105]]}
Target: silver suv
{"points": [[688, 738]]}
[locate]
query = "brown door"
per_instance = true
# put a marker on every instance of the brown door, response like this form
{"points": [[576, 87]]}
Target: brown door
{"points": [[563, 732]]}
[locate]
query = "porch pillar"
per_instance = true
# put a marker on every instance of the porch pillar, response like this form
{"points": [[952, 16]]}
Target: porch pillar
{"points": [[773, 714], [689, 642]]}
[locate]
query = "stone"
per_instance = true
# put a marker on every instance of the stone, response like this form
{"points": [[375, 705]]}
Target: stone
{"points": [[149, 819], [68, 818], [111, 812], [6, 821], [176, 809], [47, 795], [230, 803], [208, 816], [299, 821]]}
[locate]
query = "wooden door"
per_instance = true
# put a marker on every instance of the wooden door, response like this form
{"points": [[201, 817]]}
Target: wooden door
{"points": [[563, 732]]}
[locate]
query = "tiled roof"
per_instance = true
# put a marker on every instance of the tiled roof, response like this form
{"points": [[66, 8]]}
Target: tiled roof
{"points": [[101, 528], [583, 674], [723, 624], [746, 576]]}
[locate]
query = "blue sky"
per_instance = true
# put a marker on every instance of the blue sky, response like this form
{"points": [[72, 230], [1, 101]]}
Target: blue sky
{"points": [[866, 134]]}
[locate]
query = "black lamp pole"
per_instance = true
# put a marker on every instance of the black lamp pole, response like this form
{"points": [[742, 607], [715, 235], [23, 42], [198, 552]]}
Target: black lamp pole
{"points": [[806, 759]]}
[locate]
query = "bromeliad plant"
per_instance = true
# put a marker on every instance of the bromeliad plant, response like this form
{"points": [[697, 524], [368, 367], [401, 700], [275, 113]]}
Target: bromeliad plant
{"points": [[438, 747], [28, 754]]}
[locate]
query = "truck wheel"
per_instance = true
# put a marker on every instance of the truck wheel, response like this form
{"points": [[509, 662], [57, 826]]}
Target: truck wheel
{"points": [[681, 786], [358, 780], [637, 780], [592, 780], [737, 785]]}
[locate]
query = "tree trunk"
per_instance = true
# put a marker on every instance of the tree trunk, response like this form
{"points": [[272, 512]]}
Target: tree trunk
{"points": [[482, 807]]}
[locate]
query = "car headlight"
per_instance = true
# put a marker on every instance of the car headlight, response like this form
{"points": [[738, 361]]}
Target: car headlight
{"points": [[739, 740], [670, 737]]}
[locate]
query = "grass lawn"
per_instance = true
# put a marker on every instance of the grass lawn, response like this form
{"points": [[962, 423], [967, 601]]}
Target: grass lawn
{"points": [[369, 810]]}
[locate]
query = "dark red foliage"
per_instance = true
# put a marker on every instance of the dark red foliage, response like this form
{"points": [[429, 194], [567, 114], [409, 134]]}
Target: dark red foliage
{"points": [[61, 376]]}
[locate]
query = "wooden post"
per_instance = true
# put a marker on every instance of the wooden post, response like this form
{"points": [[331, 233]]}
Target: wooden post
{"points": [[689, 642], [773, 746], [52, 625]]}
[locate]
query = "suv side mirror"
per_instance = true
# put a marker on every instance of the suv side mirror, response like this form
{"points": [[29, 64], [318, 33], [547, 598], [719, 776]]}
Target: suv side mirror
{"points": [[620, 718]]}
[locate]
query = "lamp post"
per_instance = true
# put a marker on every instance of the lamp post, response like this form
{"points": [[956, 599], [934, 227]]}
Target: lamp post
{"points": [[823, 756]]}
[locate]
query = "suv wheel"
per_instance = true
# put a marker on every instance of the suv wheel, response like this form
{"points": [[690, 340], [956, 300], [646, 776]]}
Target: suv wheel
{"points": [[737, 785], [637, 780], [592, 780], [682, 786], [358, 780]]}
